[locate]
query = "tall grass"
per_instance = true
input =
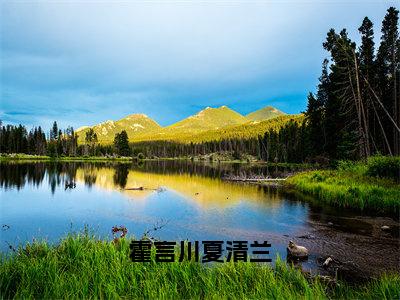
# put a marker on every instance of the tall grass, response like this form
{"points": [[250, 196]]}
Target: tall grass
{"points": [[82, 266], [365, 186]]}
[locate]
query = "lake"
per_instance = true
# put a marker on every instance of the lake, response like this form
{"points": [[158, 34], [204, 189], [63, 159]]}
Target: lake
{"points": [[185, 200]]}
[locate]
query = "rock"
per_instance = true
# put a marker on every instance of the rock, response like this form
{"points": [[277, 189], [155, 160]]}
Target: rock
{"points": [[296, 251], [327, 262], [330, 223], [385, 227]]}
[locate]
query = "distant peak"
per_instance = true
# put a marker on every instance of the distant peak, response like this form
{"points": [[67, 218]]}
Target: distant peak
{"points": [[82, 128], [265, 113], [107, 122], [137, 116]]}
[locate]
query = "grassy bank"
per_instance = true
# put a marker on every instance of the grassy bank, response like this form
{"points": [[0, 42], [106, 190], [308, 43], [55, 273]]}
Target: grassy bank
{"points": [[369, 186], [84, 267]]}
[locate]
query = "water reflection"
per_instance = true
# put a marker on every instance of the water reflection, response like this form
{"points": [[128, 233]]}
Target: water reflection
{"points": [[191, 196], [16, 175], [47, 200]]}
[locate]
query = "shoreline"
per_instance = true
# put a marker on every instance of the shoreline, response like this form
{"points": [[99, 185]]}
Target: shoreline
{"points": [[33, 158]]}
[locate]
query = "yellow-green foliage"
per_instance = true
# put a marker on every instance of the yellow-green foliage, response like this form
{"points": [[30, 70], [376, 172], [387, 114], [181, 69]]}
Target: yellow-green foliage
{"points": [[83, 267], [245, 131], [350, 186]]}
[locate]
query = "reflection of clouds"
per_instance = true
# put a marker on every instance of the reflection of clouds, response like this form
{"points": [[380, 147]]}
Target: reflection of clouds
{"points": [[204, 191]]}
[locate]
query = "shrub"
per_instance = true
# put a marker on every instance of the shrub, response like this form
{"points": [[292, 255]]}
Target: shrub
{"points": [[318, 177], [384, 166], [345, 165]]}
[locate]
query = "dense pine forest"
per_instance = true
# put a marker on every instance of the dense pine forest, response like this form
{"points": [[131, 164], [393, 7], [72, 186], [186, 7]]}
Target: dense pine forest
{"points": [[354, 114], [355, 111]]}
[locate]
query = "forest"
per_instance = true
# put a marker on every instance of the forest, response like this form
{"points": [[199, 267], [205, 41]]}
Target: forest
{"points": [[354, 114]]}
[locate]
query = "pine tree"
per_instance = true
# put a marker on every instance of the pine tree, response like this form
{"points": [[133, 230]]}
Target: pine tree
{"points": [[387, 63], [91, 141], [121, 144], [368, 79], [54, 131]]}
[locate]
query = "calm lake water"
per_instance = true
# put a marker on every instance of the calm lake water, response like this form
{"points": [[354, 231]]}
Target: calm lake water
{"points": [[190, 201]]}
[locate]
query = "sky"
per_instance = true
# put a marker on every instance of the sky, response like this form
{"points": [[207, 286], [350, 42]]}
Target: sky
{"points": [[84, 62]]}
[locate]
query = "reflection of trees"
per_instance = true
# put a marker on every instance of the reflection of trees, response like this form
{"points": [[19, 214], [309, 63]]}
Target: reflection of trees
{"points": [[121, 175], [16, 175], [89, 174], [214, 170], [53, 172], [19, 174]]}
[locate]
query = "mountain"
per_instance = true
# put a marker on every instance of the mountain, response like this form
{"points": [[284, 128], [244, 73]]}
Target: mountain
{"points": [[250, 129], [265, 113], [209, 123], [204, 121], [210, 118], [134, 124]]}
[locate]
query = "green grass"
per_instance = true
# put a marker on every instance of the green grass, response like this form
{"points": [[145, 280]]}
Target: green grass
{"points": [[82, 266], [351, 185]]}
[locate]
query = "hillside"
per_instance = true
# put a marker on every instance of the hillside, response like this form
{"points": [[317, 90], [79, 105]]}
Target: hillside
{"points": [[210, 118], [250, 129], [133, 124], [208, 124], [265, 113]]}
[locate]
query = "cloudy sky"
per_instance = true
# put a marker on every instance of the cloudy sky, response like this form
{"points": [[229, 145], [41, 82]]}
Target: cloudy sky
{"points": [[83, 62]]}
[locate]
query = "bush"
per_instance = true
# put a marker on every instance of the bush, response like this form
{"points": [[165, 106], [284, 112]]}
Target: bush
{"points": [[384, 166], [317, 177], [345, 165]]}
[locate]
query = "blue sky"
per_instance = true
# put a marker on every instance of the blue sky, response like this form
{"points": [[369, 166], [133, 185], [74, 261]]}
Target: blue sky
{"points": [[81, 63]]}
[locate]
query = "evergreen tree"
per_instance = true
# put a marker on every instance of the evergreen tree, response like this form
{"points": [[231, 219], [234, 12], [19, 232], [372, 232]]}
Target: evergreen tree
{"points": [[91, 141], [315, 114], [54, 131], [121, 144], [387, 63], [368, 74]]}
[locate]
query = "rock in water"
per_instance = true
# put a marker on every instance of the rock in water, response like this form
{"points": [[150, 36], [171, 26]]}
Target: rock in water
{"points": [[384, 227], [327, 262], [296, 251]]}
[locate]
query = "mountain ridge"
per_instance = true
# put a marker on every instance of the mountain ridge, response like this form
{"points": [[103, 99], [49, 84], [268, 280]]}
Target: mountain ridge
{"points": [[140, 127], [264, 113]]}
